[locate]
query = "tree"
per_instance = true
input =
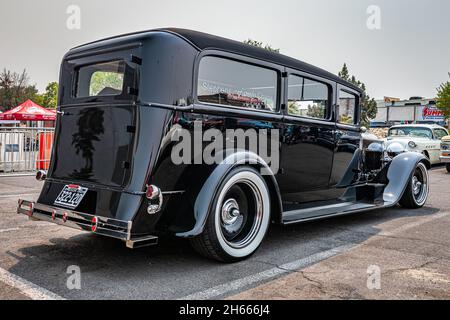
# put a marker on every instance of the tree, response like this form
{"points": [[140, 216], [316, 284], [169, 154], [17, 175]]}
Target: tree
{"points": [[443, 98], [50, 96], [102, 80], [259, 44], [368, 105], [15, 89]]}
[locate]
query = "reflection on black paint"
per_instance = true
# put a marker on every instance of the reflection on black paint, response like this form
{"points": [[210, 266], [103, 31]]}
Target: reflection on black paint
{"points": [[90, 127], [94, 145]]}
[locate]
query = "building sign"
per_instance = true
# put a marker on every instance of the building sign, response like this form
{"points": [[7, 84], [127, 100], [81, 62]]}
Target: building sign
{"points": [[429, 113]]}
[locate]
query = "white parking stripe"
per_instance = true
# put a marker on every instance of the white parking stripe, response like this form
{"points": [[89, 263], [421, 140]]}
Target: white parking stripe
{"points": [[414, 224], [9, 229], [265, 275], [19, 195], [299, 264], [27, 288]]}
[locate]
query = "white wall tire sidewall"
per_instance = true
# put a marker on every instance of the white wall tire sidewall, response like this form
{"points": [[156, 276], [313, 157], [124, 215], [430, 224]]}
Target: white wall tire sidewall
{"points": [[425, 172], [251, 247]]}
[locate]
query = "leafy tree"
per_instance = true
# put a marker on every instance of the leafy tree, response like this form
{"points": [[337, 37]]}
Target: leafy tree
{"points": [[15, 89], [259, 44], [101, 80], [50, 96], [316, 111], [293, 108], [368, 105], [443, 98]]}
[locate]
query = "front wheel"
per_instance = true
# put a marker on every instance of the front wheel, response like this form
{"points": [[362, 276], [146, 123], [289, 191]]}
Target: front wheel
{"points": [[416, 192], [447, 166], [239, 217]]}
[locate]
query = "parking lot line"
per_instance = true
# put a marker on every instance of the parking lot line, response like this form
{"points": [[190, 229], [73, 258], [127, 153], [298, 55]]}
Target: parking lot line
{"points": [[27, 288], [9, 229], [235, 285], [19, 195], [266, 275]]}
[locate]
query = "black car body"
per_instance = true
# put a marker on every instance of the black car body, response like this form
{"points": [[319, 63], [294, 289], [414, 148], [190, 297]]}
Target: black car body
{"points": [[112, 148]]}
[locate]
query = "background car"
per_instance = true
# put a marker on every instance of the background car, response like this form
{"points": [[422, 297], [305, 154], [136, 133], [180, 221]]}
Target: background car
{"points": [[445, 152], [423, 138]]}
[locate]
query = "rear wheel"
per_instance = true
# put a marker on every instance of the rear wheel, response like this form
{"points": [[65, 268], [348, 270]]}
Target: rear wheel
{"points": [[447, 166], [239, 218], [416, 192]]}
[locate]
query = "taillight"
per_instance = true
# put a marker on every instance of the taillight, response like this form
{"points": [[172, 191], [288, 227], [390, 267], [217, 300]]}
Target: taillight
{"points": [[152, 192], [155, 199], [53, 214], [64, 216], [94, 223]]}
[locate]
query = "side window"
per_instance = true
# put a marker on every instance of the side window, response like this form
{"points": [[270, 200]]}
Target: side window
{"points": [[307, 98], [347, 107], [232, 83]]}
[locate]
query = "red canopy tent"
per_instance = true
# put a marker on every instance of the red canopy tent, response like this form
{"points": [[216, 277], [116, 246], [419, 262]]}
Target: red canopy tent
{"points": [[29, 111]]}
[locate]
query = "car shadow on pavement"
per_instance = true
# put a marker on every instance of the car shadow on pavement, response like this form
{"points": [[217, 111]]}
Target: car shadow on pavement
{"points": [[106, 263]]}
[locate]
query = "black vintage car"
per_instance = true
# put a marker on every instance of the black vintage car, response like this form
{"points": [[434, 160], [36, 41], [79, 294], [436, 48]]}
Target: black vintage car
{"points": [[126, 103]]}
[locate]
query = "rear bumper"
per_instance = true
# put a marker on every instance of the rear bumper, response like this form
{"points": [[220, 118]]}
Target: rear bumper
{"points": [[82, 221]]}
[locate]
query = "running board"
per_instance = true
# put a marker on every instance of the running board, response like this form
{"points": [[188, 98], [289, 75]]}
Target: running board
{"points": [[314, 213]]}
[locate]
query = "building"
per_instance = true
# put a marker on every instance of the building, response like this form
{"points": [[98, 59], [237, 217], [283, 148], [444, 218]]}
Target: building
{"points": [[415, 110]]}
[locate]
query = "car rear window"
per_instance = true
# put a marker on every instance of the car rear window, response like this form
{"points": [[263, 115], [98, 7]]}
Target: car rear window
{"points": [[101, 79]]}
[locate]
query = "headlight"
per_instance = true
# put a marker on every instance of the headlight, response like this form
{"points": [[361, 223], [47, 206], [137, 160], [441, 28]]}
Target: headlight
{"points": [[394, 149], [412, 144]]}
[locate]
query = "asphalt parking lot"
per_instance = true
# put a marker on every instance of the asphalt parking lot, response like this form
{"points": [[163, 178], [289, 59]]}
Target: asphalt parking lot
{"points": [[325, 259]]}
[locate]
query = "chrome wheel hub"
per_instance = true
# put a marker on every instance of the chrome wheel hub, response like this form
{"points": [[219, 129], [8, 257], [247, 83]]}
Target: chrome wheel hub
{"points": [[241, 213], [230, 212], [417, 185]]}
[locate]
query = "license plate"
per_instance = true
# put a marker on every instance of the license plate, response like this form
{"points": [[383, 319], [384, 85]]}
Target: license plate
{"points": [[71, 196]]}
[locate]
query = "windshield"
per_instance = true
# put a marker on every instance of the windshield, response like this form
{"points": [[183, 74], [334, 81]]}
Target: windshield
{"points": [[410, 132]]}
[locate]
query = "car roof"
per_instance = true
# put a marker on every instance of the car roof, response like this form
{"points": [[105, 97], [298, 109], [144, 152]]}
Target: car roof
{"points": [[204, 41], [429, 126]]}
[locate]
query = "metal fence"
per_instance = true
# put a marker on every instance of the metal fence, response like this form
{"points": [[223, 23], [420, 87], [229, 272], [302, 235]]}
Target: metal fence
{"points": [[25, 150]]}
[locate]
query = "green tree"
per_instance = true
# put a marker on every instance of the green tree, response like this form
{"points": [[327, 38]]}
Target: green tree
{"points": [[368, 104], [15, 89], [259, 44], [443, 98], [101, 80], [50, 96]]}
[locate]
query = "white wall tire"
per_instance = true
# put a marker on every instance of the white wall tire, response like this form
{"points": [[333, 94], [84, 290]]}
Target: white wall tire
{"points": [[239, 218], [416, 193]]}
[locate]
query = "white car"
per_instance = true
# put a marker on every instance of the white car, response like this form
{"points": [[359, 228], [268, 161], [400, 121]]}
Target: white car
{"points": [[423, 138]]}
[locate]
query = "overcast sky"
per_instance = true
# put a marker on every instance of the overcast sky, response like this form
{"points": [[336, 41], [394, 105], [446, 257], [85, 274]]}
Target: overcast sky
{"points": [[409, 55]]}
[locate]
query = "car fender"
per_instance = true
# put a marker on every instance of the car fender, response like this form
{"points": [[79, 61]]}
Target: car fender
{"points": [[399, 173], [205, 197]]}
